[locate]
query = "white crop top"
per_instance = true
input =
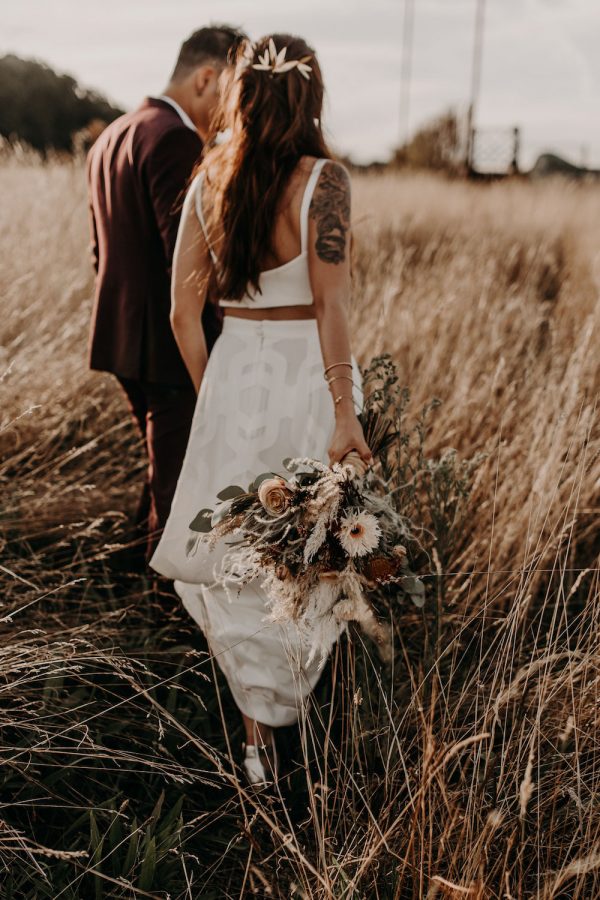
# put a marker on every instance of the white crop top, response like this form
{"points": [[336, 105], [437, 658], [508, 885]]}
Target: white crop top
{"points": [[286, 285]]}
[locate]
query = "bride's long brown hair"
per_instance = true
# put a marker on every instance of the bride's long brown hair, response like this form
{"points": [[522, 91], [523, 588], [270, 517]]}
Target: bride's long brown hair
{"points": [[275, 118]]}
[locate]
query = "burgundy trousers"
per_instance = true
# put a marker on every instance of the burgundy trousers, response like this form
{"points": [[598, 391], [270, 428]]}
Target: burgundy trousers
{"points": [[164, 417]]}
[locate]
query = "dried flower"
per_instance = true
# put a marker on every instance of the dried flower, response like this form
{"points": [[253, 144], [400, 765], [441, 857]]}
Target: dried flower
{"points": [[380, 568], [331, 575], [274, 62], [288, 530], [282, 572], [359, 533], [327, 503], [275, 495]]}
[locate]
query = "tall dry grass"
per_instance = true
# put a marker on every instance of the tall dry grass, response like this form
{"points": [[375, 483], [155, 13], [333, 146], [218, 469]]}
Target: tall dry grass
{"points": [[469, 769]]}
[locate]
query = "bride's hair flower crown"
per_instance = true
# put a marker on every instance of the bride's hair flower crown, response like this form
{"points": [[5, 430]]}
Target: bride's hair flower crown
{"points": [[276, 63]]}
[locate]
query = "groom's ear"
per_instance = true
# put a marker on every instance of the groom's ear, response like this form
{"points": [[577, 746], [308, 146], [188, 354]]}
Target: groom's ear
{"points": [[203, 76]]}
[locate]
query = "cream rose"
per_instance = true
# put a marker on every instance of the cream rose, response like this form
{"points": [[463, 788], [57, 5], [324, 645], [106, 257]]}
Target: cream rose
{"points": [[275, 495]]}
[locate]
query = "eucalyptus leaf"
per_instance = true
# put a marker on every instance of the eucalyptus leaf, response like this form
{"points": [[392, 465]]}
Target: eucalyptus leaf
{"points": [[304, 478], [231, 492], [259, 480], [290, 465], [242, 503], [415, 589], [220, 513], [201, 523]]}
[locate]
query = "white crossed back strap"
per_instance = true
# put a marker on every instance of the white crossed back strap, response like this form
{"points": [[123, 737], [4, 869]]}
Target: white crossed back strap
{"points": [[200, 214], [308, 192]]}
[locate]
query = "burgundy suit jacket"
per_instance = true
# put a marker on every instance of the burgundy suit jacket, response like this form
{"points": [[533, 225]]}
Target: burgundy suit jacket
{"points": [[138, 171]]}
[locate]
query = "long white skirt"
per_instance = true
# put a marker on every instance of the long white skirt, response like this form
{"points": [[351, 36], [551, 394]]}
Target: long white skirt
{"points": [[263, 398]]}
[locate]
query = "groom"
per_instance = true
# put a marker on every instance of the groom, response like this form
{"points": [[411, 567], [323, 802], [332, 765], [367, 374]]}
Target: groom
{"points": [[138, 171]]}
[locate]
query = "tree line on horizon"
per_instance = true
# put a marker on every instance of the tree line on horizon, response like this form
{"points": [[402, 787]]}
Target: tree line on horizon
{"points": [[44, 109], [49, 111], [52, 112]]}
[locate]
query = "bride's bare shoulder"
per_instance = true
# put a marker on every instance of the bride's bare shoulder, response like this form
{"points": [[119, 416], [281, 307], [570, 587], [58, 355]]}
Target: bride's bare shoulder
{"points": [[332, 166], [307, 162], [303, 172]]}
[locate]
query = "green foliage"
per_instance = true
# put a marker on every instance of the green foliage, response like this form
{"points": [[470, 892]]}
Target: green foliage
{"points": [[431, 490], [44, 109], [201, 522], [137, 853], [229, 493], [94, 775], [428, 494]]}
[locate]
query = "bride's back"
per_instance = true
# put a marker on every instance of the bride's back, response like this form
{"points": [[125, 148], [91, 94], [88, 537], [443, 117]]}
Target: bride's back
{"points": [[286, 236], [253, 186], [284, 278]]}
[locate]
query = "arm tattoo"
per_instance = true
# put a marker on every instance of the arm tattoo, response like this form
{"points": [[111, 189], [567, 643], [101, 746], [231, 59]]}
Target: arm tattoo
{"points": [[330, 208]]}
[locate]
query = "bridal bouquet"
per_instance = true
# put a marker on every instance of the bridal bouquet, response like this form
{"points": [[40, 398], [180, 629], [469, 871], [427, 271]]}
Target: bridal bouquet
{"points": [[322, 540]]}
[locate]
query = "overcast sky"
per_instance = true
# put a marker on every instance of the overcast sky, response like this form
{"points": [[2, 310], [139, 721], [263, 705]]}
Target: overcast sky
{"points": [[541, 66]]}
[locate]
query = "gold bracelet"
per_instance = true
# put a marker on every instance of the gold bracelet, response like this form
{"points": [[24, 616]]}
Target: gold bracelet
{"points": [[333, 366], [337, 378], [343, 397]]}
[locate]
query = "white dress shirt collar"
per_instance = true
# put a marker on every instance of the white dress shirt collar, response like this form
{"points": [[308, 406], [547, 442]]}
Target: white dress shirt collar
{"points": [[181, 112]]}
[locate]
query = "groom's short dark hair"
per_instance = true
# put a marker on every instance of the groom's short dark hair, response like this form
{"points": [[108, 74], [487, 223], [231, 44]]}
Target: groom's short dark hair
{"points": [[215, 42]]}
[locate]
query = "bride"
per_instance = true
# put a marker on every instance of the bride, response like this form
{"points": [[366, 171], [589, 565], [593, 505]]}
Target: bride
{"points": [[267, 217]]}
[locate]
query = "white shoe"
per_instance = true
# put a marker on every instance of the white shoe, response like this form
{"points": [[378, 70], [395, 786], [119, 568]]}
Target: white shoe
{"points": [[260, 764]]}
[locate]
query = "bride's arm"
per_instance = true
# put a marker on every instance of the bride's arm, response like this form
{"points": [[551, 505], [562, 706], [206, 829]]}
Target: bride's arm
{"points": [[189, 284], [329, 266]]}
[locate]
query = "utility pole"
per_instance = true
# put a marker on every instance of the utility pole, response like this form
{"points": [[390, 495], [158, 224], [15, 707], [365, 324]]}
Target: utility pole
{"points": [[475, 79], [406, 69]]}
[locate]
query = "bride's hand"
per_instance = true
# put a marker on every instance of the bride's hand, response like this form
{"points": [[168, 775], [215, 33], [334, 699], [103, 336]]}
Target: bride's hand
{"points": [[348, 435]]}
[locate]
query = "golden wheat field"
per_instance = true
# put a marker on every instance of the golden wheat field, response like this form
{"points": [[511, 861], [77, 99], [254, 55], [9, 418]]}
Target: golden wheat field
{"points": [[470, 767]]}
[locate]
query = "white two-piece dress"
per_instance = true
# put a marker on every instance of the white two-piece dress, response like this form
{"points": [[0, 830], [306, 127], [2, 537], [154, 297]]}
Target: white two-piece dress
{"points": [[263, 398]]}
